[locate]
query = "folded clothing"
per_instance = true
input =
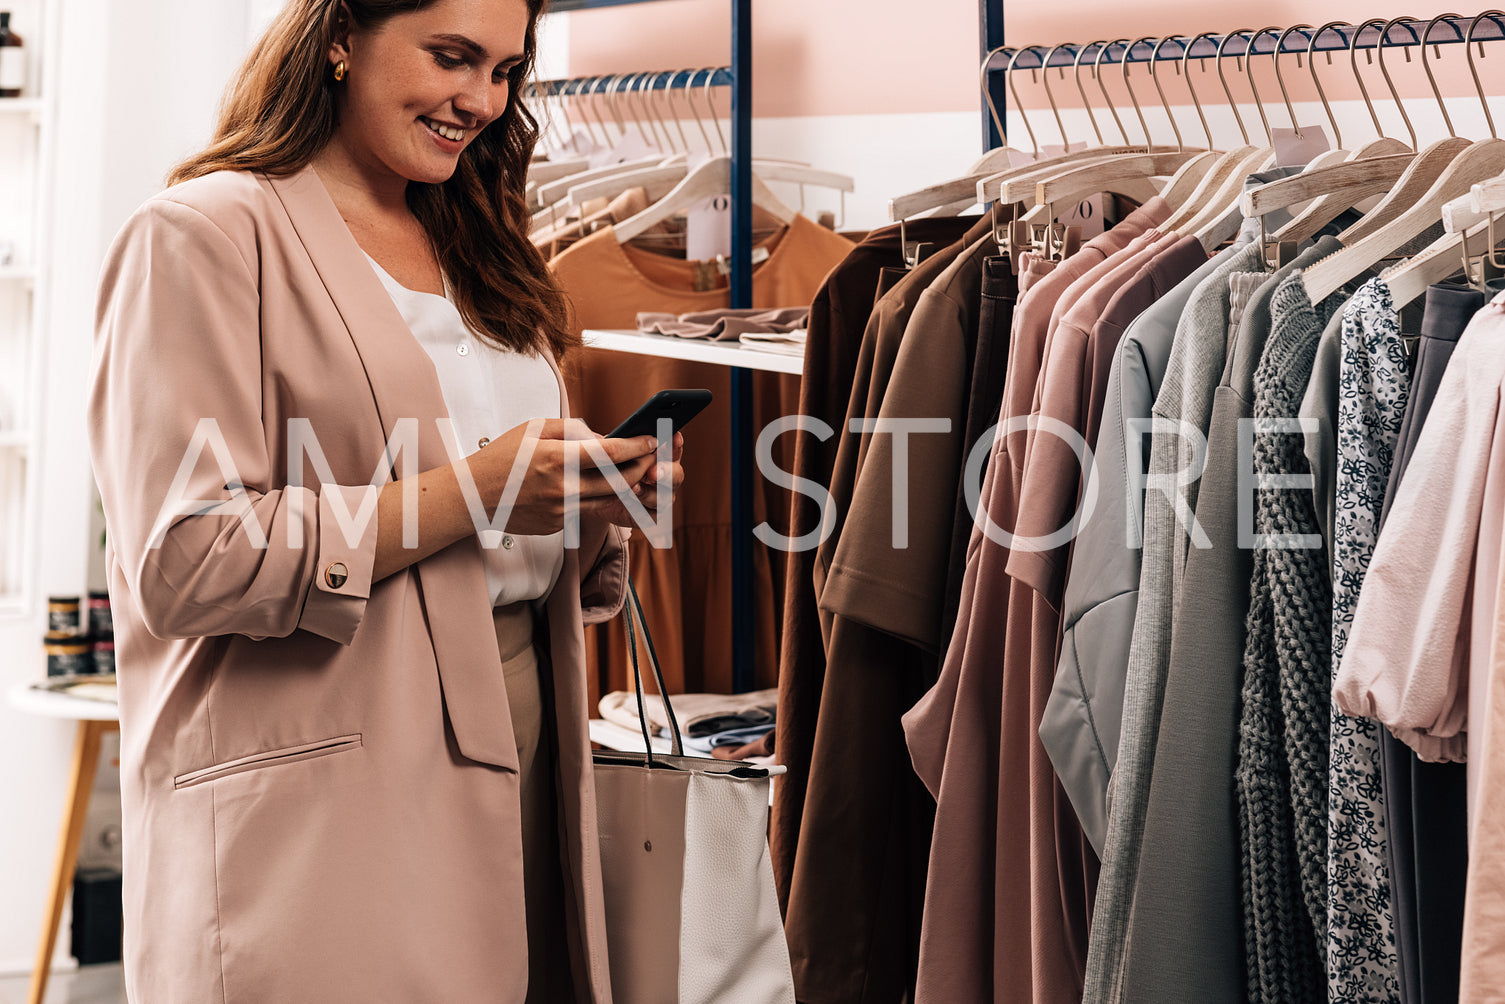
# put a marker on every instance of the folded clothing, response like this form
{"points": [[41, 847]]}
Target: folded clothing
{"points": [[731, 738], [758, 749], [726, 324], [699, 714], [791, 343]]}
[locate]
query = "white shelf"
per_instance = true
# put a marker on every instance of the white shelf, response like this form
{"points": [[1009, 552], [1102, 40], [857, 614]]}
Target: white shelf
{"points": [[14, 439], [17, 273], [693, 349], [22, 106]]}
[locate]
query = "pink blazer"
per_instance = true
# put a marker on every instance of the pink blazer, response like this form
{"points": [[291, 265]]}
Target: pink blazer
{"points": [[318, 772]]}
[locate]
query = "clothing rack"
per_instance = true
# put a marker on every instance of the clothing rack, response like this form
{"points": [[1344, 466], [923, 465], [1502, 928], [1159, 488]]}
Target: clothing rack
{"points": [[737, 76], [1400, 33], [610, 85]]}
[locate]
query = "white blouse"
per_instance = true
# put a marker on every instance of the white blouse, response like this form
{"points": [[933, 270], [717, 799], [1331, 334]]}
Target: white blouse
{"points": [[488, 391]]}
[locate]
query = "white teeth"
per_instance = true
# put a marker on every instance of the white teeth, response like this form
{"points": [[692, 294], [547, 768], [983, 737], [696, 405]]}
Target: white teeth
{"points": [[448, 132]]}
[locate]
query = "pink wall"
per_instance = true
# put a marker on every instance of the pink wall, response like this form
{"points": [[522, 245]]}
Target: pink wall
{"points": [[845, 57], [810, 57]]}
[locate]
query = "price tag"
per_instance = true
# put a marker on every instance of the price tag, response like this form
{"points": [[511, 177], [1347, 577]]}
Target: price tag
{"points": [[1293, 150], [1087, 215], [708, 229]]}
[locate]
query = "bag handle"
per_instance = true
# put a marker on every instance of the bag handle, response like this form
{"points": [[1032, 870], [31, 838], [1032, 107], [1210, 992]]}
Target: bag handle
{"points": [[634, 612]]}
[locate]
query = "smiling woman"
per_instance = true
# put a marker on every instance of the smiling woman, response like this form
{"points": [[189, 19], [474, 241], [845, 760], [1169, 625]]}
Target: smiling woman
{"points": [[355, 763], [419, 84]]}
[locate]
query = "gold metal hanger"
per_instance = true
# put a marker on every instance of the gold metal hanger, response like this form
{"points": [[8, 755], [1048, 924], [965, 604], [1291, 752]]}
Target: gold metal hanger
{"points": [[1379, 47], [1077, 73], [1468, 46], [1311, 66], [1212, 210], [1280, 81], [1097, 72], [1232, 104], [1189, 177]]}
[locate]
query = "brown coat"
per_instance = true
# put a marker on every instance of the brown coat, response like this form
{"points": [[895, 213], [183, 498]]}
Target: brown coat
{"points": [[318, 774]]}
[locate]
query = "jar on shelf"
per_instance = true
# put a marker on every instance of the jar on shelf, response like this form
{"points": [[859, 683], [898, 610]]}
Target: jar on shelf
{"points": [[63, 615], [101, 623], [12, 59], [68, 654]]}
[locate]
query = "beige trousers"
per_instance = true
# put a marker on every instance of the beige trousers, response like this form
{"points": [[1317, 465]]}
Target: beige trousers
{"points": [[543, 886]]}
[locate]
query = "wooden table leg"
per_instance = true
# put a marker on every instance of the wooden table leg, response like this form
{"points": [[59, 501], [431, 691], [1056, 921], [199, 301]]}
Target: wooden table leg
{"points": [[85, 763]]}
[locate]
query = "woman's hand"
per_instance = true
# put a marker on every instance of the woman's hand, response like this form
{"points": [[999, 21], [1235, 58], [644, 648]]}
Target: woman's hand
{"points": [[654, 490], [526, 472]]}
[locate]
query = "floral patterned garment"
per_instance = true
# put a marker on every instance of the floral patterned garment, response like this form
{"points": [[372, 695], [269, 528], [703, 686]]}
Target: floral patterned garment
{"points": [[1374, 383]]}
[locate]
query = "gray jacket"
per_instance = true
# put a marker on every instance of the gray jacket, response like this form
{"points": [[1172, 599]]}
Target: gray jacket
{"points": [[1184, 938]]}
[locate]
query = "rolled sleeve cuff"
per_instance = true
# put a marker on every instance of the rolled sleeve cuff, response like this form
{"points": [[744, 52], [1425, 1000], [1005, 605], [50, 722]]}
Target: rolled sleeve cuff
{"points": [[346, 556], [603, 588]]}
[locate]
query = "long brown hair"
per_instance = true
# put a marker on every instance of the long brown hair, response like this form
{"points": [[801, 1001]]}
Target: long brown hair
{"points": [[280, 112]]}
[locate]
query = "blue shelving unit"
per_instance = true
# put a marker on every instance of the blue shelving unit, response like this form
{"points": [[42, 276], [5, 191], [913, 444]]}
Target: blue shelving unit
{"points": [[739, 78]]}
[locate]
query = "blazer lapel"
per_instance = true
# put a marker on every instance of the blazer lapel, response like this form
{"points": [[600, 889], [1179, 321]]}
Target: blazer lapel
{"points": [[452, 583], [402, 377]]}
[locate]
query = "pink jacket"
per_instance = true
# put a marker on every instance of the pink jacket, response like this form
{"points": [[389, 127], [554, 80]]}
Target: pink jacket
{"points": [[1422, 626], [318, 773]]}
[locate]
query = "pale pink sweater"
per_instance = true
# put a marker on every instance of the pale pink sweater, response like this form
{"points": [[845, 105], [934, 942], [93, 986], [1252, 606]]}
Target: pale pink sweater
{"points": [[1426, 613]]}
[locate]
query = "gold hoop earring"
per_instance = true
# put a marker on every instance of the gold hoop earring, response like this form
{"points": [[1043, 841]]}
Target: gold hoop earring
{"points": [[339, 71]]}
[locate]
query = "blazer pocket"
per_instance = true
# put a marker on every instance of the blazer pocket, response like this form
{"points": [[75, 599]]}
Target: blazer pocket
{"points": [[269, 758]]}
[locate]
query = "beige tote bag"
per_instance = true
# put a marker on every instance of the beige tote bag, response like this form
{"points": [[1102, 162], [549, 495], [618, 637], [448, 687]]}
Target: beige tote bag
{"points": [[691, 912]]}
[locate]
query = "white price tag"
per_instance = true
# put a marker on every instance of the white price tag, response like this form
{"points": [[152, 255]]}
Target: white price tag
{"points": [[1293, 150], [708, 229], [1088, 215]]}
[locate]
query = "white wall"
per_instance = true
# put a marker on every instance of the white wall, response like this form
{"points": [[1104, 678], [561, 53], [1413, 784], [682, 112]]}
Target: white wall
{"points": [[137, 85]]}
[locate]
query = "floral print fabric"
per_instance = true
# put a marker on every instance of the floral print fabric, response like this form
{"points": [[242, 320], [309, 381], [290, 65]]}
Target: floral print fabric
{"points": [[1374, 383]]}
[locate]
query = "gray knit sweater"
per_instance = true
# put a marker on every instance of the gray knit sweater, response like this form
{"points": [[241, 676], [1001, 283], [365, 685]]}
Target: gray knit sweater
{"points": [[1283, 733]]}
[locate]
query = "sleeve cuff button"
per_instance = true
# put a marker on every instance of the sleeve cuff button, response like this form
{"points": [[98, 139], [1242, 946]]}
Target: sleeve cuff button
{"points": [[336, 575]]}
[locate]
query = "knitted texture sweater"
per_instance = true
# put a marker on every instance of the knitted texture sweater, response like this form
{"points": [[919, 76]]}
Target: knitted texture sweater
{"points": [[1283, 730]]}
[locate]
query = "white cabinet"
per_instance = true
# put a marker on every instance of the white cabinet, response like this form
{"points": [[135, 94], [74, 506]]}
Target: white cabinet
{"points": [[25, 177]]}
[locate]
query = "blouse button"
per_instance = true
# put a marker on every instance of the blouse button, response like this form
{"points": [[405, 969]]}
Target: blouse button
{"points": [[508, 542], [485, 441], [336, 575], [463, 349]]}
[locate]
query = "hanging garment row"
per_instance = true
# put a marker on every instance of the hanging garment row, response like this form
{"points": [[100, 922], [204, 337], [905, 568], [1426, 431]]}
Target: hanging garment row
{"points": [[1123, 694]]}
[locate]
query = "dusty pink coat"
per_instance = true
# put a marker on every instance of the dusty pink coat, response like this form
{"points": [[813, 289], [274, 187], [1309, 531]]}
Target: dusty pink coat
{"points": [[318, 774]]}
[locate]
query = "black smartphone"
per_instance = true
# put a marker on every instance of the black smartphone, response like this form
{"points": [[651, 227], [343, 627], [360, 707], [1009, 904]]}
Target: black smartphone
{"points": [[679, 406]]}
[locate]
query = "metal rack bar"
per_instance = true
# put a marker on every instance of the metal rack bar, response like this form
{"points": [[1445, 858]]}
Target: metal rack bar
{"points": [[682, 80], [1339, 38], [565, 6], [990, 33], [743, 637]]}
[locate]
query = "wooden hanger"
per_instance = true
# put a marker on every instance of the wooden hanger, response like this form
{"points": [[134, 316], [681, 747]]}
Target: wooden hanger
{"points": [[1189, 177], [543, 172], [1326, 208], [1128, 175], [1216, 221], [1347, 180], [1446, 256], [1479, 162], [710, 179], [658, 180]]}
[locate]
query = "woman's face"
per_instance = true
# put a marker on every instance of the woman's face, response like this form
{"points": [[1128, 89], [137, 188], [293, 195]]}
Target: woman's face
{"points": [[420, 88]]}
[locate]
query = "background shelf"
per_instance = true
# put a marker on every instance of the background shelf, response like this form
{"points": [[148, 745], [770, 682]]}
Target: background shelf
{"points": [[695, 350]]}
